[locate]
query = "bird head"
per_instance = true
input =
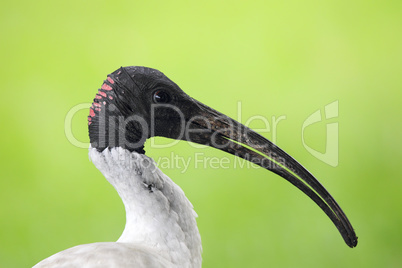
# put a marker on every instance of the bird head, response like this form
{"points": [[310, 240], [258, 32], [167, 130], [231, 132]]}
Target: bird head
{"points": [[136, 103]]}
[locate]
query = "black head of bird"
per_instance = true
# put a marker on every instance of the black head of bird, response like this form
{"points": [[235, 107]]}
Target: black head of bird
{"points": [[137, 103]]}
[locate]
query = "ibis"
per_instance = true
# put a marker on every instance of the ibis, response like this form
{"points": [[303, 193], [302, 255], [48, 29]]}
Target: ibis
{"points": [[135, 103]]}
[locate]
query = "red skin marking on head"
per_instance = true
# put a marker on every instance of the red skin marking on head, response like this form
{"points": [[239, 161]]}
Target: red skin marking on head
{"points": [[97, 109], [91, 112], [110, 97], [97, 104], [106, 87], [98, 97], [119, 73], [89, 118], [104, 103], [102, 93], [89, 123], [111, 81]]}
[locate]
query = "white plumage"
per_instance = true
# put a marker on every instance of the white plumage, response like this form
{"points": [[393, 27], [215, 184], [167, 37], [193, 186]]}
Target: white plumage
{"points": [[160, 231]]}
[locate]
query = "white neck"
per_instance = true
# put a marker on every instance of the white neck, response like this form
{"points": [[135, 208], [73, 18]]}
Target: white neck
{"points": [[158, 214]]}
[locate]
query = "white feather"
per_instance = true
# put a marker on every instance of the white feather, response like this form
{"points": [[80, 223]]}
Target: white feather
{"points": [[160, 231]]}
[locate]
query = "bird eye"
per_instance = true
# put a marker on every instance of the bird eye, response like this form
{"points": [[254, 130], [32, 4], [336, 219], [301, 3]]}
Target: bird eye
{"points": [[161, 96]]}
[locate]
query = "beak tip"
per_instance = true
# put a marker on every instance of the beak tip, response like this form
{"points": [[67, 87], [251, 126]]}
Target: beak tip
{"points": [[352, 241]]}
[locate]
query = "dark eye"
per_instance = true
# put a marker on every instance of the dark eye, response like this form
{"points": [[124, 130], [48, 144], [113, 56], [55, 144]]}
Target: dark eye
{"points": [[161, 96]]}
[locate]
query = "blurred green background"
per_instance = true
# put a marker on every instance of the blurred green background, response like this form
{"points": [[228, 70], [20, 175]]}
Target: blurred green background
{"points": [[286, 58]]}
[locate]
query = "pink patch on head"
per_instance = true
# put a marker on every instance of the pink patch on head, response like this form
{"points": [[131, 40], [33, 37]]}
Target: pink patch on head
{"points": [[91, 112], [111, 81], [119, 73], [97, 109], [104, 103], [110, 97], [106, 87], [89, 118], [97, 104], [98, 97], [102, 93]]}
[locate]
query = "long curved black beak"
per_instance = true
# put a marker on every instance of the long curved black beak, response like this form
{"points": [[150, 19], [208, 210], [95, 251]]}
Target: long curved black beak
{"points": [[209, 127]]}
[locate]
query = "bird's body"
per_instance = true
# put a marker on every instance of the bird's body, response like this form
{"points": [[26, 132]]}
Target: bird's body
{"points": [[134, 104], [160, 231], [107, 255]]}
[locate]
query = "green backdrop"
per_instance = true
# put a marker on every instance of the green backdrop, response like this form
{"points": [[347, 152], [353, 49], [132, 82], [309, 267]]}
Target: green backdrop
{"points": [[287, 58]]}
